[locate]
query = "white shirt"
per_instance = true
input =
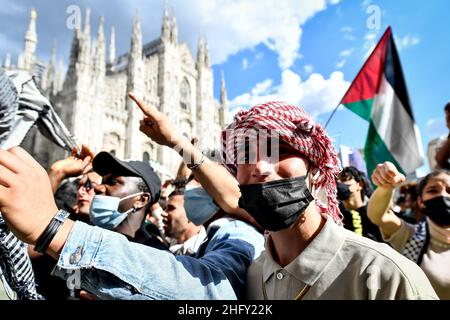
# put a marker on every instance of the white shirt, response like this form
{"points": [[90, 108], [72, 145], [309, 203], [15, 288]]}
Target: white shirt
{"points": [[190, 246]]}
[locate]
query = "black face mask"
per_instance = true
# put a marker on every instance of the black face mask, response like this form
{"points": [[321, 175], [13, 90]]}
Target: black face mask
{"points": [[438, 210], [276, 205], [343, 191]]}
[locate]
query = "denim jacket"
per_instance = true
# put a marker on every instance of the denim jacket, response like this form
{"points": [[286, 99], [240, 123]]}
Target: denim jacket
{"points": [[106, 264]]}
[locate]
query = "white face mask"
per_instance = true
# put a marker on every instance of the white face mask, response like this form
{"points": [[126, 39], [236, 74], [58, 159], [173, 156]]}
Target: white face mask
{"points": [[104, 211]]}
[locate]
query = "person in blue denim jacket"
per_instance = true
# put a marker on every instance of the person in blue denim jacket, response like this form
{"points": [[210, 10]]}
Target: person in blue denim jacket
{"points": [[105, 263]]}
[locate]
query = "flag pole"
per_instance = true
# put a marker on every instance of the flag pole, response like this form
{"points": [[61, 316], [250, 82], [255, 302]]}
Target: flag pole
{"points": [[357, 75], [334, 111]]}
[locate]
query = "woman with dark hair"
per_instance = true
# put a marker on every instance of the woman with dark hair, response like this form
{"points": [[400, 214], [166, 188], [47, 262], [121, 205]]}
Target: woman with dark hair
{"points": [[428, 242]]}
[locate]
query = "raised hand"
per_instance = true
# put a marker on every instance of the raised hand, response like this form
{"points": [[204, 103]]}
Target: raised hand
{"points": [[157, 126], [386, 175], [73, 166], [26, 198]]}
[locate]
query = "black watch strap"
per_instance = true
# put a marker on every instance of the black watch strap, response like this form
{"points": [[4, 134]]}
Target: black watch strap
{"points": [[49, 233]]}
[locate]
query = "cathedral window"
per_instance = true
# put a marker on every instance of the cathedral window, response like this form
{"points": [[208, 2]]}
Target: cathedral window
{"points": [[185, 95], [186, 128], [111, 143]]}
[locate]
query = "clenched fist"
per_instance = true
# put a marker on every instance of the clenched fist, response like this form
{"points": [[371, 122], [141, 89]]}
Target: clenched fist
{"points": [[26, 198], [387, 176]]}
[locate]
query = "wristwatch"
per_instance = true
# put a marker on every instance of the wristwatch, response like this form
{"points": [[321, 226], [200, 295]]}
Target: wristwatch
{"points": [[49, 233]]}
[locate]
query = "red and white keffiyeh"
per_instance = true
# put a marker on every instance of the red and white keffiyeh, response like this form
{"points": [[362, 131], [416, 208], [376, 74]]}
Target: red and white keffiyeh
{"points": [[296, 128]]}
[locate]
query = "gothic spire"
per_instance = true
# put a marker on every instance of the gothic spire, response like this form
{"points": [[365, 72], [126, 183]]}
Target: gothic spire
{"points": [[28, 56], [31, 32], [51, 65], [75, 49], [200, 52], [136, 38], [99, 59], [112, 46], [223, 91], [207, 60], [101, 33], [53, 55], [174, 31], [165, 29], [59, 76], [7, 61], [87, 22], [86, 38]]}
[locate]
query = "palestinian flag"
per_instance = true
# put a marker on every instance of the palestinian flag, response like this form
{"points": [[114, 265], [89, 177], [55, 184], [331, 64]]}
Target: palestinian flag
{"points": [[379, 95]]}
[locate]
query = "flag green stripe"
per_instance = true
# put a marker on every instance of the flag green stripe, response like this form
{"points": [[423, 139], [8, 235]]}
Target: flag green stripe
{"points": [[362, 108], [376, 151], [396, 127]]}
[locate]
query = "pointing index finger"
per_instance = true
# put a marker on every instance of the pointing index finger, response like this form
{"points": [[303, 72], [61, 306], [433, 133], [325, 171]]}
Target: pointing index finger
{"points": [[149, 111]]}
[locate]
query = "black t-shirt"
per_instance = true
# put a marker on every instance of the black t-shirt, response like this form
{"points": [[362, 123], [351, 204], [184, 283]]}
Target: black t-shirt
{"points": [[358, 222], [50, 287], [146, 237]]}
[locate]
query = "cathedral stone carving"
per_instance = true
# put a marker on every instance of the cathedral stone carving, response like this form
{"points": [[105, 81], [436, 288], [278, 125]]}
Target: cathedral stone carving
{"points": [[92, 96]]}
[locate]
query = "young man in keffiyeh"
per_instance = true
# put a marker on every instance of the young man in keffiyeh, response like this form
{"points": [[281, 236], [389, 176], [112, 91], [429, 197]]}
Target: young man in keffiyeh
{"points": [[292, 195], [290, 191]]}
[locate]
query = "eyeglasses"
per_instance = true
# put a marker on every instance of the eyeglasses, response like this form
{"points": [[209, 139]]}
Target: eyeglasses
{"points": [[88, 185]]}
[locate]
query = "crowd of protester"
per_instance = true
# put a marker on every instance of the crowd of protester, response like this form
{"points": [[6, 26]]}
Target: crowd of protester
{"points": [[245, 225]]}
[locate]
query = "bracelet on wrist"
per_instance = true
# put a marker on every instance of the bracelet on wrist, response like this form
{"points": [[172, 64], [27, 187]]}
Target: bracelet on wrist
{"points": [[49, 233], [194, 166]]}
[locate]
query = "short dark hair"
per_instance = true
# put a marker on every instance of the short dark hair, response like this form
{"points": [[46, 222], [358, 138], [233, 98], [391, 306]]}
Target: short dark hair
{"points": [[424, 181], [142, 187], [66, 195], [177, 192], [349, 173], [410, 189], [400, 200], [447, 106]]}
